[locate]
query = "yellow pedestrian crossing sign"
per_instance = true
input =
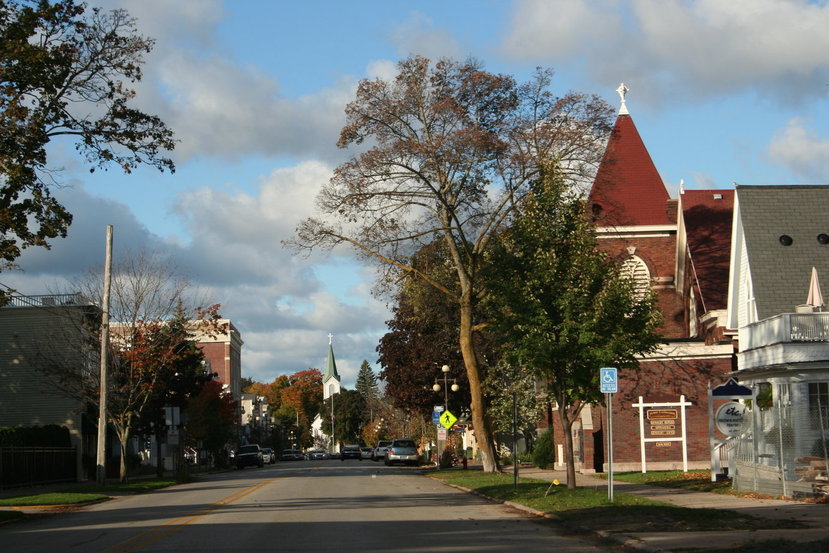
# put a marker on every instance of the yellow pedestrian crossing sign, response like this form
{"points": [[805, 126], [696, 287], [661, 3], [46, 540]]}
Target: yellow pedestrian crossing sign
{"points": [[447, 419]]}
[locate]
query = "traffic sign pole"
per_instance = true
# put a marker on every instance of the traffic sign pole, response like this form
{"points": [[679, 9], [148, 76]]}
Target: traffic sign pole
{"points": [[610, 447], [609, 385]]}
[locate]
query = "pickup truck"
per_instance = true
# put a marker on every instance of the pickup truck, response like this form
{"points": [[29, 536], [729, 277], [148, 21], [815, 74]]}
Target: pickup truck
{"points": [[249, 455], [380, 450]]}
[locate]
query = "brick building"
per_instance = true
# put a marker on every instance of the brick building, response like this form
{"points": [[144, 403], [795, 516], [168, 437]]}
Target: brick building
{"points": [[680, 248], [223, 353]]}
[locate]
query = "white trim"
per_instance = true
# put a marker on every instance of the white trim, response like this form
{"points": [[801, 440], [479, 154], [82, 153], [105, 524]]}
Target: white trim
{"points": [[638, 230], [689, 351]]}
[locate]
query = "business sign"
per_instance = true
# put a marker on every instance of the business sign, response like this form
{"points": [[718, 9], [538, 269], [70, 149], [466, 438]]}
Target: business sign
{"points": [[608, 380], [729, 418], [662, 422]]}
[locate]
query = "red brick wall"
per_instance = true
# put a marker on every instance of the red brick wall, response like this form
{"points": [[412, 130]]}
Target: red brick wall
{"points": [[216, 354], [659, 254], [662, 381]]}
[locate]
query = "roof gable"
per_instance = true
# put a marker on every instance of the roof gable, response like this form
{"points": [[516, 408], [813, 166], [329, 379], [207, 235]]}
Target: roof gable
{"points": [[628, 190], [780, 274]]}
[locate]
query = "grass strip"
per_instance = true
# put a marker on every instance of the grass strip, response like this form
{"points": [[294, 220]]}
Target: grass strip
{"points": [[696, 480], [54, 498], [590, 509], [75, 495]]}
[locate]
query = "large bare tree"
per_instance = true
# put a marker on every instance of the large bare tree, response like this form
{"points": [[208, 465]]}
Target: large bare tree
{"points": [[448, 148]]}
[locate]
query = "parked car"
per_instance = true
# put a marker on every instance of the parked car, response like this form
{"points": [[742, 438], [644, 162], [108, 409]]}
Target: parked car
{"points": [[380, 450], [249, 455], [292, 455], [402, 450], [317, 455], [268, 456], [350, 452], [366, 452]]}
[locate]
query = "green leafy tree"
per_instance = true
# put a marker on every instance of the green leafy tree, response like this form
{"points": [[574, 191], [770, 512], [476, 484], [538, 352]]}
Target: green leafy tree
{"points": [[67, 73], [452, 148], [349, 417], [367, 383], [567, 307], [211, 420], [507, 388]]}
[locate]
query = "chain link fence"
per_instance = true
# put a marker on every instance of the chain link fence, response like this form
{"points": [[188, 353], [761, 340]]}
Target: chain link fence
{"points": [[782, 449]]}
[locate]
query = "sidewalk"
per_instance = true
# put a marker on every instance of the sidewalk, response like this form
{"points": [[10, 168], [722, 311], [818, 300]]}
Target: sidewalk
{"points": [[814, 514]]}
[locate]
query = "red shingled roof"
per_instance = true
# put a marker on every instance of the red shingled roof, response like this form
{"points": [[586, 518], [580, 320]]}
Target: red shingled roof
{"points": [[707, 215], [628, 190]]}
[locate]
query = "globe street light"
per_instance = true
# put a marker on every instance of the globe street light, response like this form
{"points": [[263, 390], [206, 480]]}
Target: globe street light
{"points": [[437, 388]]}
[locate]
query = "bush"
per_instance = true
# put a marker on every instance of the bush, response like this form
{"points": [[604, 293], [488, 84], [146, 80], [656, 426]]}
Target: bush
{"points": [[50, 435], [544, 452]]}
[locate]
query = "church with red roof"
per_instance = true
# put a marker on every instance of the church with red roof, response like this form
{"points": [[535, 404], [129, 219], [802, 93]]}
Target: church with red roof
{"points": [[680, 248]]}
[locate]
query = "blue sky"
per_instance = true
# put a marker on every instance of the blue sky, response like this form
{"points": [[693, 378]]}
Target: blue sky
{"points": [[721, 92]]}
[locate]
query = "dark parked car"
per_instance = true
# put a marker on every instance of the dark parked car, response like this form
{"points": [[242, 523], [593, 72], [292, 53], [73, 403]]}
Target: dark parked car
{"points": [[402, 450], [350, 452], [317, 455], [249, 456]]}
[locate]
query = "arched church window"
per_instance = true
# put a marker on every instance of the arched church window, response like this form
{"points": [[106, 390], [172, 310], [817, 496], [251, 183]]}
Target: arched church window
{"points": [[636, 269]]}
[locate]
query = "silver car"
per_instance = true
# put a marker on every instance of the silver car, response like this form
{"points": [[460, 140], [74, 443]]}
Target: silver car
{"points": [[402, 450]]}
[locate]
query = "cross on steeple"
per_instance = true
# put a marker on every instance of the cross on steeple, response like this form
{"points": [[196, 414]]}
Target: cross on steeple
{"points": [[623, 90]]}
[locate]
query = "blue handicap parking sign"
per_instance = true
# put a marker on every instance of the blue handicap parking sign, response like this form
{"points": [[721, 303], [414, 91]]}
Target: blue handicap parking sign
{"points": [[608, 380]]}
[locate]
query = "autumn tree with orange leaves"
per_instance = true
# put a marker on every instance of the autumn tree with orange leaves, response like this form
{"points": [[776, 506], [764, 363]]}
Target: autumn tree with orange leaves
{"points": [[294, 401], [300, 402]]}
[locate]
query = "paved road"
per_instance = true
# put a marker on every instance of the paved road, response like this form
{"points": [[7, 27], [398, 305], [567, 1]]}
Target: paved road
{"points": [[306, 506]]}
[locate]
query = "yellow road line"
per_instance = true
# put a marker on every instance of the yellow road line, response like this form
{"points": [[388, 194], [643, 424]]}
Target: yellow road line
{"points": [[153, 535]]}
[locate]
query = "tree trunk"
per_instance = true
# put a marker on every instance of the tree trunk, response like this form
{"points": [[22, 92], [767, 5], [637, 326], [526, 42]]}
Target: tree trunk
{"points": [[567, 429], [480, 423], [123, 440]]}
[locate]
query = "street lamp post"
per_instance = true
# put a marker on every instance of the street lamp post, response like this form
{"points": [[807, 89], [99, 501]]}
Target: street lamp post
{"points": [[445, 370]]}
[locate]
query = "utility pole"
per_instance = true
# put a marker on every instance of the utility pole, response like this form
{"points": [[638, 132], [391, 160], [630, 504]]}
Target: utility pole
{"points": [[100, 469]]}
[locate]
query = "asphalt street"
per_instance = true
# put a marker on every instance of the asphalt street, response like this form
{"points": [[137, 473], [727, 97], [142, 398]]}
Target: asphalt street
{"points": [[351, 506]]}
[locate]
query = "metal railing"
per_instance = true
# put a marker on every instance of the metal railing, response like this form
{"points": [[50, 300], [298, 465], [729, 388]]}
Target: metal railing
{"points": [[786, 327], [49, 300]]}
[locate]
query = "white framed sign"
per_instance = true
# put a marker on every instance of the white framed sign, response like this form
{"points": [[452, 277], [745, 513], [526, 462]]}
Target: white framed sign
{"points": [[729, 417]]}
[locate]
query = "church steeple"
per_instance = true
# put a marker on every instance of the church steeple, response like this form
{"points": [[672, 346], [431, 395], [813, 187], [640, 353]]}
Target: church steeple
{"points": [[628, 190], [331, 379]]}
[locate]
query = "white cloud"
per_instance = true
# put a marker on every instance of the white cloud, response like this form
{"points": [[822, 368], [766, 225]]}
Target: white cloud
{"points": [[278, 300], [802, 151], [219, 109], [689, 49], [382, 69], [418, 35]]}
